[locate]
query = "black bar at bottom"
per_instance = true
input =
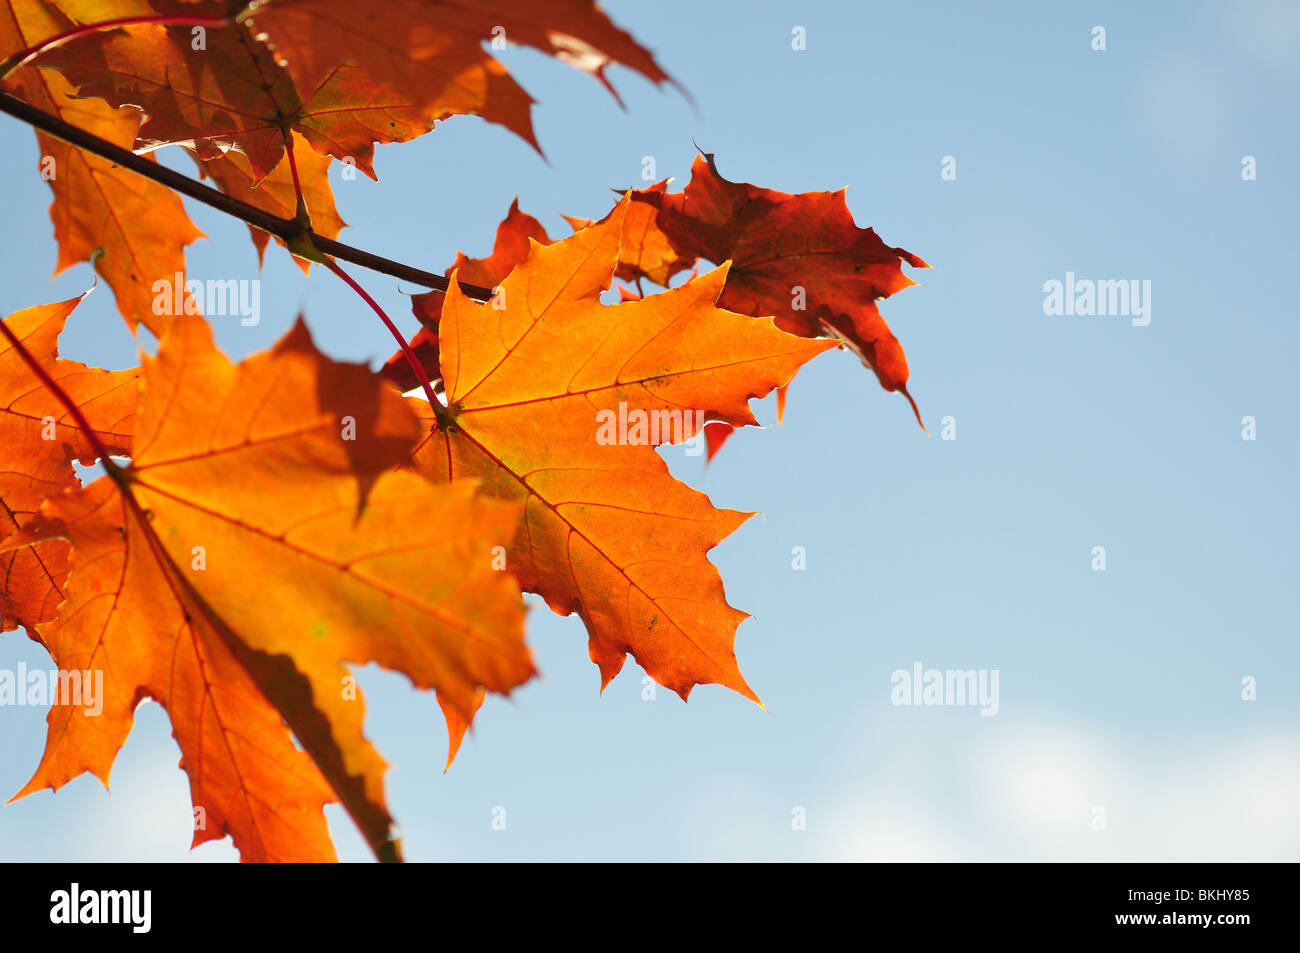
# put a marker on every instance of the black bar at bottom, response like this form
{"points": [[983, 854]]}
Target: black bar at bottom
{"points": [[227, 904]]}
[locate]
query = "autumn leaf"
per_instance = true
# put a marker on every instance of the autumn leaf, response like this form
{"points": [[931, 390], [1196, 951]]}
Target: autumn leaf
{"points": [[264, 527], [342, 75], [227, 92], [800, 258], [226, 100], [608, 532], [39, 441], [431, 53]]}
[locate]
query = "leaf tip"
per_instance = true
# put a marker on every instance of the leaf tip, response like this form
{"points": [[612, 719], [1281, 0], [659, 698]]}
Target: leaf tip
{"points": [[902, 389]]}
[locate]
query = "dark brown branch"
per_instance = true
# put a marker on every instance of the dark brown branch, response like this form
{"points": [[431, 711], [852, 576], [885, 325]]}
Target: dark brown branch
{"points": [[282, 228]]}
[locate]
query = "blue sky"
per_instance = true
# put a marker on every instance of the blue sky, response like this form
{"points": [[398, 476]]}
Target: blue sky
{"points": [[1119, 689]]}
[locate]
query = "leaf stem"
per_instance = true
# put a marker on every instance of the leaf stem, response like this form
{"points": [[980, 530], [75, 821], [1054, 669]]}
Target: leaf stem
{"points": [[284, 228], [411, 357], [62, 396], [301, 214]]}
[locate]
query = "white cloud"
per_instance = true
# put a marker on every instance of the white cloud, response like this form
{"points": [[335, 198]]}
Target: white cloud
{"points": [[1033, 793]]}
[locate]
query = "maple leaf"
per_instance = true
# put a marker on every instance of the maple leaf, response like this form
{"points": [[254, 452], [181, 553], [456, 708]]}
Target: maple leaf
{"points": [[800, 258], [228, 101], [344, 76], [231, 94], [431, 54], [607, 532], [39, 440], [227, 94], [264, 527], [509, 249]]}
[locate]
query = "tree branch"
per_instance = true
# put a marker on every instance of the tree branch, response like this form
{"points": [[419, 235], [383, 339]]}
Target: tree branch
{"points": [[283, 228]]}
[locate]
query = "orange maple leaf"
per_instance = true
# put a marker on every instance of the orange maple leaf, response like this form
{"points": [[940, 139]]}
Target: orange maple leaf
{"points": [[227, 94], [608, 532], [431, 53], [262, 537], [228, 102], [231, 95]]}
